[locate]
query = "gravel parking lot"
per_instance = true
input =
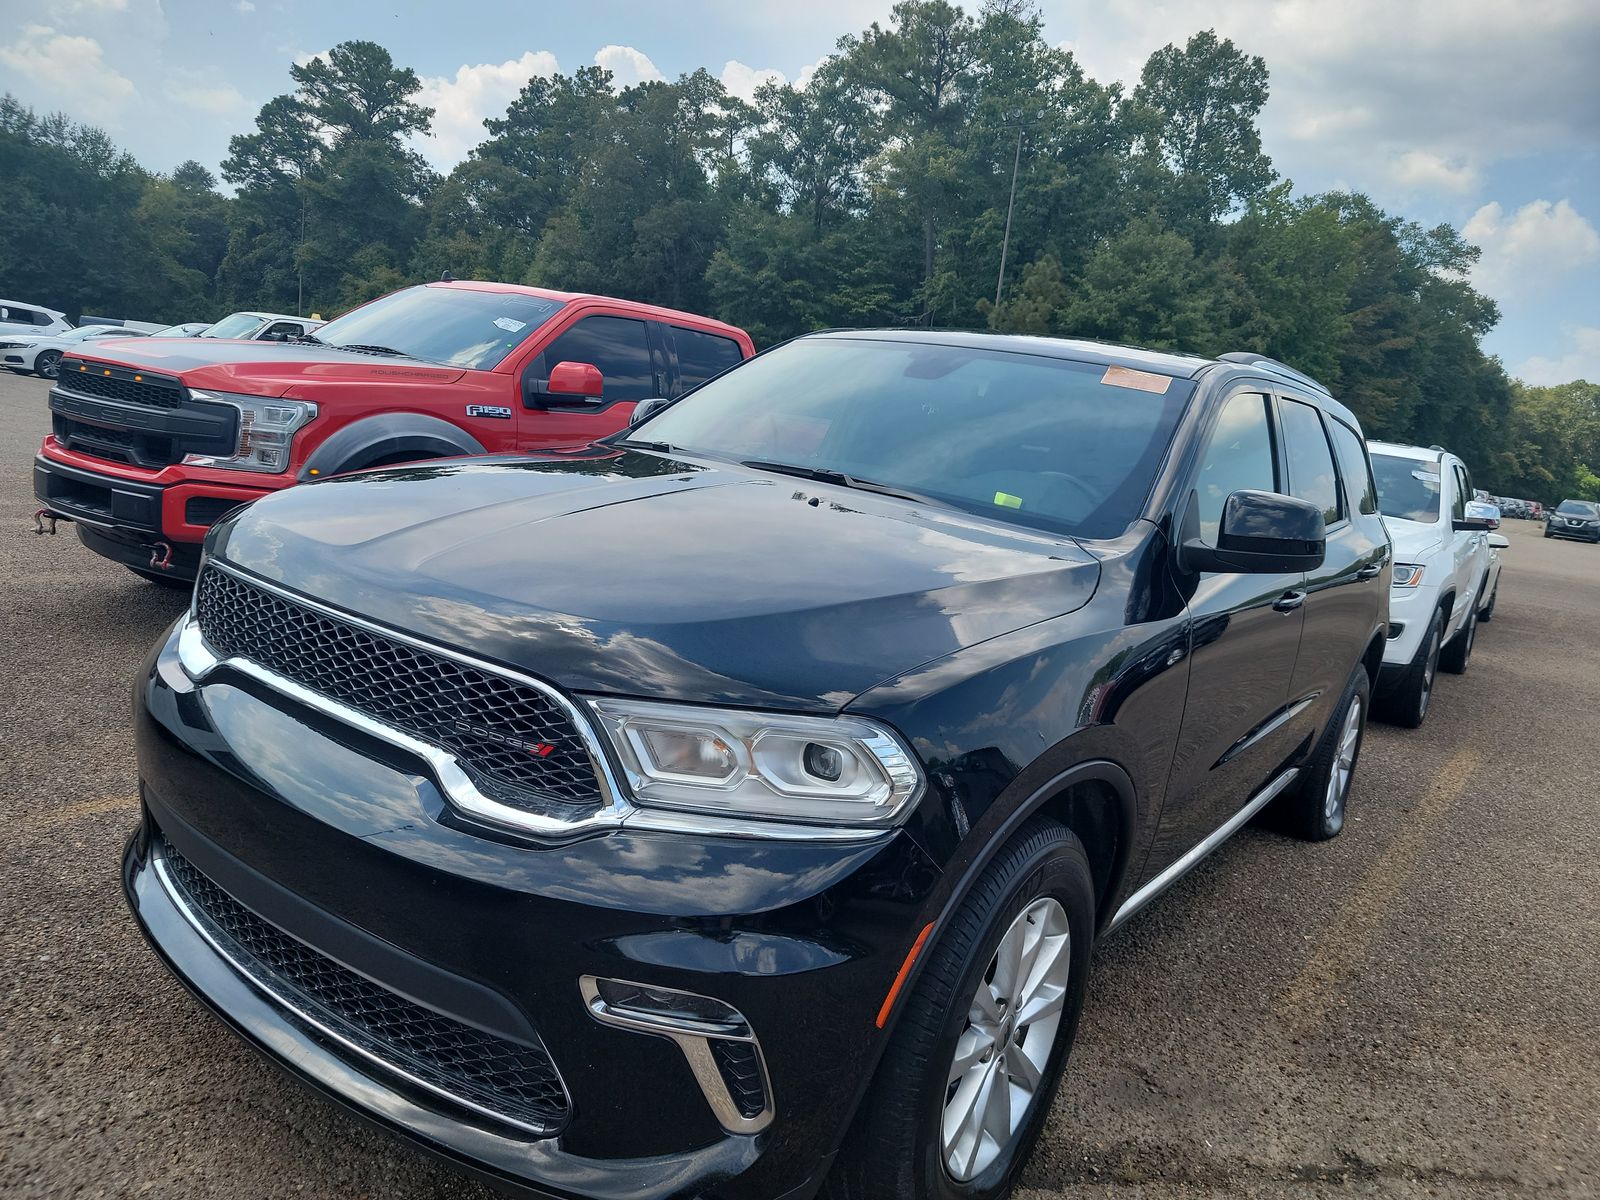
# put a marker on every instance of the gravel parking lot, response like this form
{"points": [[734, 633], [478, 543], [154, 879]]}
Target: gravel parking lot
{"points": [[1412, 1009]]}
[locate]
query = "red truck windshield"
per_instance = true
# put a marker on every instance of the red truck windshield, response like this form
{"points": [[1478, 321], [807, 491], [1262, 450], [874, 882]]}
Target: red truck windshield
{"points": [[454, 326]]}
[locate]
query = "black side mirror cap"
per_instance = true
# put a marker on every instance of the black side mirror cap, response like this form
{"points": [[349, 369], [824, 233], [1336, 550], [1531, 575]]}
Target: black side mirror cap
{"points": [[1261, 533], [646, 408]]}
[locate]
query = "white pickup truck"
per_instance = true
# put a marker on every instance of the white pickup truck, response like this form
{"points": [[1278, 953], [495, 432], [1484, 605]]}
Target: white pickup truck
{"points": [[1441, 565]]}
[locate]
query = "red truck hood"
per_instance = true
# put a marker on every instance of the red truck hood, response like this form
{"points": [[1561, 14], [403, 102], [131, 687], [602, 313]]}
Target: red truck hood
{"points": [[262, 368]]}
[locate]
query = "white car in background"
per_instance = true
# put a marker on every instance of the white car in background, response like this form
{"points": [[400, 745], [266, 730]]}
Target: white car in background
{"points": [[188, 329], [262, 327], [1441, 571], [42, 355], [17, 318]]}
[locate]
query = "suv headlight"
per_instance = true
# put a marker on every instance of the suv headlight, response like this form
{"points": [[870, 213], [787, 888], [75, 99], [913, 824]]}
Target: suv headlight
{"points": [[763, 766], [1407, 575], [266, 427]]}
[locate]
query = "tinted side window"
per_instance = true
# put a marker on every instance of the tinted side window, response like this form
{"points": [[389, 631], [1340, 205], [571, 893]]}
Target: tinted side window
{"points": [[43, 319], [1458, 502], [1239, 456], [1311, 475], [1356, 468], [702, 355], [277, 327], [619, 346]]}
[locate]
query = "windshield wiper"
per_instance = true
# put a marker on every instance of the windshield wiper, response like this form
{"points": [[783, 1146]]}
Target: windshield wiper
{"points": [[372, 349], [658, 447], [308, 339], [839, 478]]}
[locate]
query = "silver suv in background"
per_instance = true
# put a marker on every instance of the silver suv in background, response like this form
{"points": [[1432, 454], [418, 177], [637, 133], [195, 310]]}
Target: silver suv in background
{"points": [[19, 317]]}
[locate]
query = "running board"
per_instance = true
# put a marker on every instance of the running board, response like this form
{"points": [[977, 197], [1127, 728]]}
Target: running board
{"points": [[1221, 834]]}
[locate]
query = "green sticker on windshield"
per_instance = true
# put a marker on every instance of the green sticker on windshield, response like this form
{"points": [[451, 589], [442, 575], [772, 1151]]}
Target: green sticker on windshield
{"points": [[1007, 500]]}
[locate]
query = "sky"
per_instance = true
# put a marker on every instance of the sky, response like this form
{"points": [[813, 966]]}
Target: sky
{"points": [[1481, 113]]}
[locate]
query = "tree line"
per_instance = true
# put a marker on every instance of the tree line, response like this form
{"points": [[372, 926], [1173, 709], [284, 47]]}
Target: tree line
{"points": [[879, 192]]}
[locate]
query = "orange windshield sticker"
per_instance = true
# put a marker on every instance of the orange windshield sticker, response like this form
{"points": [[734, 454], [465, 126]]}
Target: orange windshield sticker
{"points": [[1141, 381]]}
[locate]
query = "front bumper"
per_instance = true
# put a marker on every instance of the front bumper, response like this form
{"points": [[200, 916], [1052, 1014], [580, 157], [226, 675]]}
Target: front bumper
{"points": [[1409, 612], [1582, 533], [129, 519], [350, 849]]}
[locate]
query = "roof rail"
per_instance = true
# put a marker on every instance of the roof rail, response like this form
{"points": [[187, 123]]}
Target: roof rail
{"points": [[1251, 358]]}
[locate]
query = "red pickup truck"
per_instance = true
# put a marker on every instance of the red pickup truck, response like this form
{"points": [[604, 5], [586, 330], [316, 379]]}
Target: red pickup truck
{"points": [[153, 440]]}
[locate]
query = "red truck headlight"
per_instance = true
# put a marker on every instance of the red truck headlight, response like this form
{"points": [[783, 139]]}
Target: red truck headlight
{"points": [[266, 428]]}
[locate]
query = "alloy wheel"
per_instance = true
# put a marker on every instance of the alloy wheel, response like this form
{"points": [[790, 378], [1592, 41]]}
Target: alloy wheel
{"points": [[1003, 1050], [48, 364], [1344, 765]]}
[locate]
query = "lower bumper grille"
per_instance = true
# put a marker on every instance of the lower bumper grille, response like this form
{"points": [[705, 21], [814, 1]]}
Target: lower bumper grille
{"points": [[505, 1080]]}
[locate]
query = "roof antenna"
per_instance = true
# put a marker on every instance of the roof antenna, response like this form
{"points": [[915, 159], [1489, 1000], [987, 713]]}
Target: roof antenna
{"points": [[446, 278]]}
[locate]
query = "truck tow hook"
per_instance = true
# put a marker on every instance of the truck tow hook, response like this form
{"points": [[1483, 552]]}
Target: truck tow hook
{"points": [[43, 515], [161, 556]]}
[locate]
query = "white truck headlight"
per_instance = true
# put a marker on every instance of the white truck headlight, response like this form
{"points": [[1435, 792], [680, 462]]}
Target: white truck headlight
{"points": [[762, 766], [1407, 575], [266, 428]]}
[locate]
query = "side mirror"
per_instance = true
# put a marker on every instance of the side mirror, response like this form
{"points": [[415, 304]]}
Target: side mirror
{"points": [[647, 408], [1262, 533], [582, 380], [1499, 541], [1480, 518]]}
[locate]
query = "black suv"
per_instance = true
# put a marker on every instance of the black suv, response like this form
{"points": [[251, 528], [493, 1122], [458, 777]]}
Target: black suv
{"points": [[733, 805], [1578, 519]]}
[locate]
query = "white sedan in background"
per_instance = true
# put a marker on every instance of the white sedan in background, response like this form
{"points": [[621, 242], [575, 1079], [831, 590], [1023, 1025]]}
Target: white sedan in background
{"points": [[42, 355]]}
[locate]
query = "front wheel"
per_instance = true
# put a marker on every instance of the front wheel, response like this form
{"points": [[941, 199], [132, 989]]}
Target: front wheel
{"points": [[1488, 609], [48, 364], [1408, 701], [964, 1086], [1458, 653]]}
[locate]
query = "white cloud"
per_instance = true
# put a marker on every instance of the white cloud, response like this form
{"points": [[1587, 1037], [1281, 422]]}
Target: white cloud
{"points": [[306, 56], [462, 103], [72, 70], [193, 90], [245, 6], [1582, 361], [1424, 171], [627, 65], [1529, 251], [1460, 84], [743, 81]]}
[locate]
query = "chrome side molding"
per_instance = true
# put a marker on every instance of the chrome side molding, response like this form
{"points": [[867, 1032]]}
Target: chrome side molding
{"points": [[1205, 846]]}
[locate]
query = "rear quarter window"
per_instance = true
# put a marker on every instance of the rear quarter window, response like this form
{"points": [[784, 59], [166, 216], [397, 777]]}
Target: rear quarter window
{"points": [[702, 355]]}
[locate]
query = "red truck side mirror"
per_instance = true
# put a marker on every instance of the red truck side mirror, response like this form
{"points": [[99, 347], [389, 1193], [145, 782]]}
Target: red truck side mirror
{"points": [[576, 379]]}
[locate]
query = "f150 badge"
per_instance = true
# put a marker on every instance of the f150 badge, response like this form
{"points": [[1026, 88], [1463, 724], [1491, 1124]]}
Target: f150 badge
{"points": [[489, 410]]}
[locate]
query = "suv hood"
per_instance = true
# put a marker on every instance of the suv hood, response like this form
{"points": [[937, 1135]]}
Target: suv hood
{"points": [[1413, 540], [635, 574], [264, 368]]}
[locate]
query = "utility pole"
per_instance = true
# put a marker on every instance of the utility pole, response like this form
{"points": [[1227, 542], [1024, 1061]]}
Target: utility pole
{"points": [[1005, 243]]}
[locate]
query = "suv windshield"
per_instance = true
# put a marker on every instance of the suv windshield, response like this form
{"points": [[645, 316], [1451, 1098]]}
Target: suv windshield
{"points": [[456, 326], [1019, 437], [1408, 488], [239, 325], [1576, 508]]}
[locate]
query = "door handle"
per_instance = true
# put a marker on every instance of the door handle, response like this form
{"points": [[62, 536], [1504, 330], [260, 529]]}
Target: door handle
{"points": [[1289, 601], [1371, 572]]}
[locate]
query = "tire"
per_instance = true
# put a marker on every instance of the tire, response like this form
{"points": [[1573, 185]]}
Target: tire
{"points": [[1407, 703], [1315, 810], [176, 582], [1458, 654], [1488, 609], [1547, 533], [48, 364], [1040, 879]]}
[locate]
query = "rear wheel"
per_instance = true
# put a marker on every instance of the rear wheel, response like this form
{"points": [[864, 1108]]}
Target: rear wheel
{"points": [[1408, 701], [1488, 609], [965, 1082], [48, 364], [1316, 809]]}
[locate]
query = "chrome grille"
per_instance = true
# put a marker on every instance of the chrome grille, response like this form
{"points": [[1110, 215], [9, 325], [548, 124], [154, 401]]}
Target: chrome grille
{"points": [[515, 743], [511, 1080]]}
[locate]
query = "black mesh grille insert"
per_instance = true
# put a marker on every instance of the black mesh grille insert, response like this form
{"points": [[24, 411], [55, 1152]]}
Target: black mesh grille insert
{"points": [[515, 742], [513, 1080], [740, 1069], [89, 380]]}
